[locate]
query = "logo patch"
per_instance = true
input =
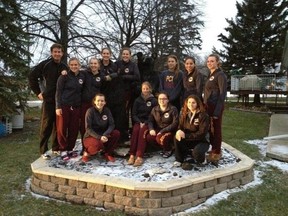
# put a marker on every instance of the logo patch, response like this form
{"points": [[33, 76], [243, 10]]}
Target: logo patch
{"points": [[148, 104], [211, 78], [169, 78], [126, 70], [104, 117], [98, 79], [80, 81], [190, 79], [166, 115]]}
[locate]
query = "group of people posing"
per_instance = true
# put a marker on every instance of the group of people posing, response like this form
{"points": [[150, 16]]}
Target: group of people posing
{"points": [[183, 115]]}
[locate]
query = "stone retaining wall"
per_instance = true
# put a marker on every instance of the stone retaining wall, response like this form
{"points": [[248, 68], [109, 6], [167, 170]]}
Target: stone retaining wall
{"points": [[139, 198]]}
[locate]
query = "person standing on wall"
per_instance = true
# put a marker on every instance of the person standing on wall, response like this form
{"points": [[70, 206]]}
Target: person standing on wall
{"points": [[129, 75], [93, 81], [68, 108], [42, 81], [192, 79], [171, 81], [215, 91]]}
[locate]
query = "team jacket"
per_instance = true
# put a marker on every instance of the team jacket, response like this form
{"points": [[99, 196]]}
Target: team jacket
{"points": [[97, 123], [43, 78], [166, 121], [129, 73], [112, 89], [142, 108], [195, 127], [193, 83], [69, 89], [92, 85], [170, 84], [215, 91]]}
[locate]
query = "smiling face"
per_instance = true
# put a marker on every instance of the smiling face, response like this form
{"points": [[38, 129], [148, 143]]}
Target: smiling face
{"points": [[106, 54], [171, 63], [99, 102], [145, 89], [192, 104], [57, 54], [126, 55], [189, 65], [163, 100], [94, 65], [74, 65], [212, 63]]}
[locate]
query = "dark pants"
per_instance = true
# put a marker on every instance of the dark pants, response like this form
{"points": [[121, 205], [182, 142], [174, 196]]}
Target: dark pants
{"points": [[93, 145], [119, 115], [183, 147], [215, 131], [164, 140], [48, 127], [68, 127], [138, 141]]}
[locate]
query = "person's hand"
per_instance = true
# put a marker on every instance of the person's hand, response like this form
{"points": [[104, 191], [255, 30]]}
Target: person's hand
{"points": [[108, 78], [152, 132], [40, 96], [58, 112], [142, 125], [215, 117], [63, 72], [104, 139], [179, 135]]}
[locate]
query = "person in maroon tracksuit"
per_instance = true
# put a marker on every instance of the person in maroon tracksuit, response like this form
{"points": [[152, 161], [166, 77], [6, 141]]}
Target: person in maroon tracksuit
{"points": [[92, 86], [192, 131], [68, 108], [162, 124], [215, 91], [129, 78], [100, 130], [140, 113], [192, 79]]}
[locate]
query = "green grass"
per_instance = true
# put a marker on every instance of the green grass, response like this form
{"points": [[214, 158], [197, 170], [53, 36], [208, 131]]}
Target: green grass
{"points": [[20, 149]]}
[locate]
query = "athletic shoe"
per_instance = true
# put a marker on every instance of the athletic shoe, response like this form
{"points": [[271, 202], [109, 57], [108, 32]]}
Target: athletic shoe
{"points": [[109, 157], [85, 158], [58, 153], [72, 154], [177, 164], [167, 154], [65, 156], [46, 156]]}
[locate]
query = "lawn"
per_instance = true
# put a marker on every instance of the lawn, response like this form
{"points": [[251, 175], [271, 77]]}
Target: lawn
{"points": [[20, 149]]}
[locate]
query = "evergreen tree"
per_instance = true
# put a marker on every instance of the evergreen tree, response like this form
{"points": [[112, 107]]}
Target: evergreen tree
{"points": [[13, 58]]}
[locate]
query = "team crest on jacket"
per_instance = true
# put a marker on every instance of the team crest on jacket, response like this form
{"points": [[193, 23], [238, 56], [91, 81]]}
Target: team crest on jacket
{"points": [[126, 70], [166, 115], [190, 79], [104, 117], [80, 81], [196, 121], [148, 104], [98, 79], [211, 78]]}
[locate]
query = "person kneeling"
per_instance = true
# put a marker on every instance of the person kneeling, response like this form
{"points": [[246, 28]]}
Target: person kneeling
{"points": [[192, 132], [100, 133]]}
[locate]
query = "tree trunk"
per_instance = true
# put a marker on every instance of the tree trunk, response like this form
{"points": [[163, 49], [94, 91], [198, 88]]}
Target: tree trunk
{"points": [[64, 28], [257, 99]]}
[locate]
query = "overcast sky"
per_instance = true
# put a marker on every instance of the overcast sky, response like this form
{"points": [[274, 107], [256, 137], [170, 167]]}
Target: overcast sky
{"points": [[215, 14]]}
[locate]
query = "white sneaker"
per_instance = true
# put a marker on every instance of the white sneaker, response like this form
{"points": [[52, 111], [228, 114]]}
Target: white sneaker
{"points": [[56, 153], [176, 164], [46, 156]]}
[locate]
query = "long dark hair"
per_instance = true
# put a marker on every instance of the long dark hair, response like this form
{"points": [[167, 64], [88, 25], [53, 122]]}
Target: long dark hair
{"points": [[185, 110], [177, 69]]}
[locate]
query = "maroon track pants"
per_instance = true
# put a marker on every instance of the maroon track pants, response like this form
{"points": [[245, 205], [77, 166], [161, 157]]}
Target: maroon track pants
{"points": [[138, 141], [164, 140]]}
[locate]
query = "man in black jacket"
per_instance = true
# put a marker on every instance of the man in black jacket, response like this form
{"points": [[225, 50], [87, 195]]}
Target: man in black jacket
{"points": [[43, 80]]}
